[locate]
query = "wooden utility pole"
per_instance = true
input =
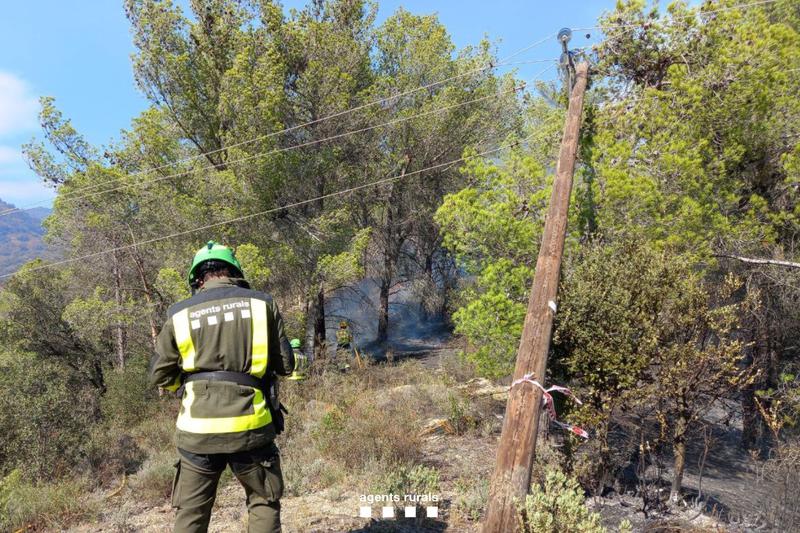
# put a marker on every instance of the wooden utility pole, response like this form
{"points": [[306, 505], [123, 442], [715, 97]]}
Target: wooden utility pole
{"points": [[512, 474]]}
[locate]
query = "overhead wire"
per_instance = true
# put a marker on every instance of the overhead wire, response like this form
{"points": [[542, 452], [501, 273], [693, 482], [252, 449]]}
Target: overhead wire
{"points": [[142, 183], [523, 84], [241, 218], [502, 62], [695, 14], [491, 65], [333, 194]]}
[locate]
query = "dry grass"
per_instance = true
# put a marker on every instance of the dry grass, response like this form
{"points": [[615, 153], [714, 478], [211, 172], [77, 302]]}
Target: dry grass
{"points": [[359, 426], [55, 504]]}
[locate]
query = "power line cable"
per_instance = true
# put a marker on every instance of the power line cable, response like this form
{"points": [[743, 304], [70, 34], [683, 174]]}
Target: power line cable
{"points": [[142, 202], [351, 110], [700, 12], [267, 211], [490, 65], [529, 47], [142, 183]]}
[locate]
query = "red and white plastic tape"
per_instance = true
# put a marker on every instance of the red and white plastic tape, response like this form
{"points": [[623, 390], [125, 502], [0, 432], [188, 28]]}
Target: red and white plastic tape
{"points": [[547, 400]]}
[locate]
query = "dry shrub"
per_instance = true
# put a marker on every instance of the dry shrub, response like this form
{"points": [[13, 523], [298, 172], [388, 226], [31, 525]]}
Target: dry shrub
{"points": [[457, 368], [361, 431], [153, 482], [417, 479], [157, 432], [110, 454], [778, 479], [471, 497], [461, 413], [356, 426]]}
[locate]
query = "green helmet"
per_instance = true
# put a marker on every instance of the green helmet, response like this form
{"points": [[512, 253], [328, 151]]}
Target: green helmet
{"points": [[212, 251], [295, 343]]}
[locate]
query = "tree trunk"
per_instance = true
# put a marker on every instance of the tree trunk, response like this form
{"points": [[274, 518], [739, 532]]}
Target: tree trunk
{"points": [[679, 448], [98, 380], [119, 331], [386, 274], [148, 295], [429, 281], [751, 420], [383, 310], [319, 324]]}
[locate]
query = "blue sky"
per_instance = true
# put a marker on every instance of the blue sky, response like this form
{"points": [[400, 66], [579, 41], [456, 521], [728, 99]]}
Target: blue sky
{"points": [[79, 53]]}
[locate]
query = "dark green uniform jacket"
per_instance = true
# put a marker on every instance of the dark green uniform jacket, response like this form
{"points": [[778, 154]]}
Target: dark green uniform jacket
{"points": [[223, 327]]}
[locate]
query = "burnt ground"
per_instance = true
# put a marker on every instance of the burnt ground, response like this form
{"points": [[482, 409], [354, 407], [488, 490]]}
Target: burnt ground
{"points": [[721, 490]]}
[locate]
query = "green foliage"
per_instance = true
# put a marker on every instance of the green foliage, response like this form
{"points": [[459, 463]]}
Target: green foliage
{"points": [[254, 265], [697, 161], [346, 267], [44, 413], [637, 327], [689, 149], [413, 480], [77, 153], [128, 399], [611, 315], [172, 285], [92, 318], [614, 314], [458, 414], [492, 231], [38, 298], [501, 216], [557, 507]]}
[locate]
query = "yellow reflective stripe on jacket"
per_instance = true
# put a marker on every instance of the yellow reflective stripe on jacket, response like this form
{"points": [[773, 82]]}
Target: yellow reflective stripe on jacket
{"points": [[176, 384], [233, 424], [258, 310], [183, 338]]}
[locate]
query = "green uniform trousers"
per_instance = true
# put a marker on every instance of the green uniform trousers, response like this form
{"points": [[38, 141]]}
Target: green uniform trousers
{"points": [[194, 488]]}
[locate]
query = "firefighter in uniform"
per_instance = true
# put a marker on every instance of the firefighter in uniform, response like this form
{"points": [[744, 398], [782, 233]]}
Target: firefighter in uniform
{"points": [[300, 361], [344, 346], [223, 346], [343, 336]]}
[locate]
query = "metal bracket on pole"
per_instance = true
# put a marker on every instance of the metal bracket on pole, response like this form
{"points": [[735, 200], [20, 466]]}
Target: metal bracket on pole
{"points": [[567, 63]]}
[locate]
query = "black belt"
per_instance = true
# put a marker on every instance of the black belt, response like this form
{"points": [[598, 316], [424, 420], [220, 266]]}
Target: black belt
{"points": [[248, 380]]}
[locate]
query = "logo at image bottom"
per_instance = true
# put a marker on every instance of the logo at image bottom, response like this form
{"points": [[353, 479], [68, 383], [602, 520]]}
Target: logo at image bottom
{"points": [[398, 506]]}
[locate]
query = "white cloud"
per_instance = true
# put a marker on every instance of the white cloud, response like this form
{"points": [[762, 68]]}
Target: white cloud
{"points": [[18, 106]]}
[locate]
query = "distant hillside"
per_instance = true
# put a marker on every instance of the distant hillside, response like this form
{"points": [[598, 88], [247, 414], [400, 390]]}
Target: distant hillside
{"points": [[21, 234], [38, 213]]}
